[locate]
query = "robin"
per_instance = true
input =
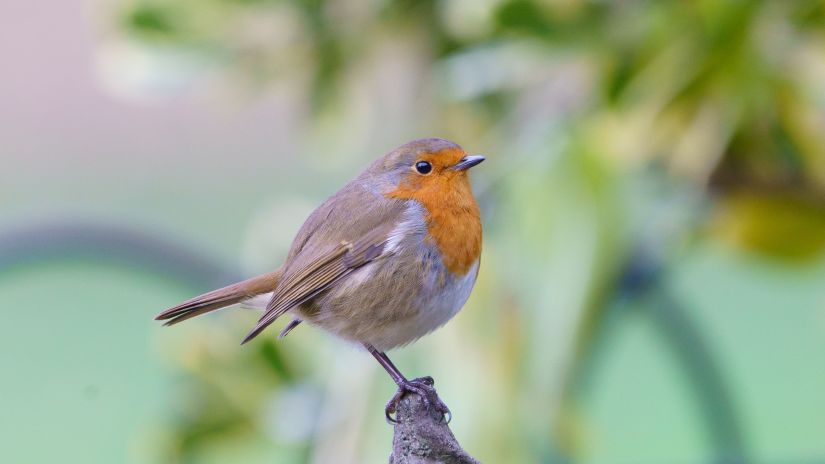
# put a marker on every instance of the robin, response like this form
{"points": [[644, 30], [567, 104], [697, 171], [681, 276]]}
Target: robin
{"points": [[387, 259]]}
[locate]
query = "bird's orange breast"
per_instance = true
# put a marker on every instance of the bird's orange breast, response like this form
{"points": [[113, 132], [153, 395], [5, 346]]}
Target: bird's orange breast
{"points": [[452, 215]]}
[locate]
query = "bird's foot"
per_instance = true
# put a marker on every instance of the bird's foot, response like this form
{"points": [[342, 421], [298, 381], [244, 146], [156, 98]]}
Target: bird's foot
{"points": [[423, 387]]}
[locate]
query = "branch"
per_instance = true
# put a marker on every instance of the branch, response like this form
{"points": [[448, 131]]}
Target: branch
{"points": [[421, 438]]}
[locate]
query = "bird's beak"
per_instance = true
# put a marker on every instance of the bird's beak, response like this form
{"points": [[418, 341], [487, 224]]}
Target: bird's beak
{"points": [[467, 162]]}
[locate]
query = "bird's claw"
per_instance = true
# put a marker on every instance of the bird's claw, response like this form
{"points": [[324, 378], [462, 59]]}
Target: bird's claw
{"points": [[423, 387]]}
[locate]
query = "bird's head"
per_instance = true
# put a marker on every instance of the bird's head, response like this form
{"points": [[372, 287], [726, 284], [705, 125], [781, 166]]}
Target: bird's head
{"points": [[432, 171]]}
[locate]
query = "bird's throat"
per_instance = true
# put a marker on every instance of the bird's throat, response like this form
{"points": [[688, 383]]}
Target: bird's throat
{"points": [[453, 221]]}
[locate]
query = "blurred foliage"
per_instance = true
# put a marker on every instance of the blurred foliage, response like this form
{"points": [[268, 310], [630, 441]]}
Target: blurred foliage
{"points": [[782, 224], [726, 93], [625, 129], [212, 380]]}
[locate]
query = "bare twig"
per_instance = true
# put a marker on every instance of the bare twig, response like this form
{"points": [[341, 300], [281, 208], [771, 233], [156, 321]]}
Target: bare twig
{"points": [[421, 438]]}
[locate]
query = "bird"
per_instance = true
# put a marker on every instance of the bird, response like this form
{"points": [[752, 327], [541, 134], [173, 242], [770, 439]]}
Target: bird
{"points": [[390, 257]]}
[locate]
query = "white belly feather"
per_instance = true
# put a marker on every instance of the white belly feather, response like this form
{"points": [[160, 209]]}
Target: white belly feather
{"points": [[436, 310]]}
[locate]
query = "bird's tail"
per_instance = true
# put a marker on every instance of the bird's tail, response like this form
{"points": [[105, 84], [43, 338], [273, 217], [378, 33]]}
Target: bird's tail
{"points": [[221, 298]]}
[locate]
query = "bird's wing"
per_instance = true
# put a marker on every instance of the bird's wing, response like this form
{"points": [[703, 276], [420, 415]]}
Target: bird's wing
{"points": [[310, 273]]}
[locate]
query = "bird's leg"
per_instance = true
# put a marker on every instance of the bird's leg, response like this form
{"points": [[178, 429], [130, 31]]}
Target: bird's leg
{"points": [[423, 387]]}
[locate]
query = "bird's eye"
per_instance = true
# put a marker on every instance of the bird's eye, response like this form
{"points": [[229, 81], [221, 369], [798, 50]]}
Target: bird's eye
{"points": [[423, 167]]}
